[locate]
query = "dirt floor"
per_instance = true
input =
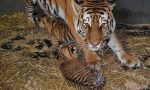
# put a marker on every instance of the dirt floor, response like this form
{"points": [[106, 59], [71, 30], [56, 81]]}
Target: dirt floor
{"points": [[26, 62]]}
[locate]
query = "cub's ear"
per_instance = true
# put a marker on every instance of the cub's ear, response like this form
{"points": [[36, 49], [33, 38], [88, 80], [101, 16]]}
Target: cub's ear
{"points": [[79, 2]]}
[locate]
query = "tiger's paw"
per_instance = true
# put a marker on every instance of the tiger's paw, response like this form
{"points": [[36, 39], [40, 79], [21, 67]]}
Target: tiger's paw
{"points": [[131, 62]]}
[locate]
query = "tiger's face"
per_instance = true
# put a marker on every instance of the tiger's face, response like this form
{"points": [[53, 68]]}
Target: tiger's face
{"points": [[95, 23]]}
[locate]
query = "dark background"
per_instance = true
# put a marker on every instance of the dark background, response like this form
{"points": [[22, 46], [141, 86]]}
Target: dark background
{"points": [[126, 11]]}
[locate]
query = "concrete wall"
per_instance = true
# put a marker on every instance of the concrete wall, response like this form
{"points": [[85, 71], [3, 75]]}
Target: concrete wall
{"points": [[8, 6], [133, 11], [126, 11]]}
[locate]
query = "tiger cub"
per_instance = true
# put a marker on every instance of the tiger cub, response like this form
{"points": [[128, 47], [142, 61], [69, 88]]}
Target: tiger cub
{"points": [[60, 36]]}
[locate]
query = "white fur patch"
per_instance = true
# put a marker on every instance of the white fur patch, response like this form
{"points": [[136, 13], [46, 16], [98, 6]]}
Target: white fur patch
{"points": [[114, 24], [87, 19], [94, 48], [116, 47], [103, 19], [61, 13]]}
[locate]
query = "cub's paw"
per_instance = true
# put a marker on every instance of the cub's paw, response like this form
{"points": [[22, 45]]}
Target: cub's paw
{"points": [[131, 62]]}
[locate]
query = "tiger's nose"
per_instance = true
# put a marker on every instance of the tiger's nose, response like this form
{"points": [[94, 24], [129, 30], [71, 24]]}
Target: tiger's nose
{"points": [[95, 43]]}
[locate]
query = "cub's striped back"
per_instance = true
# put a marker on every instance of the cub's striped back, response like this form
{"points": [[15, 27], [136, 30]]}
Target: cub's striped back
{"points": [[80, 76]]}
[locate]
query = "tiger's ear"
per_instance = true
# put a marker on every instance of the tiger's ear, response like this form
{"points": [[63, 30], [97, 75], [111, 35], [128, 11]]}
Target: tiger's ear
{"points": [[78, 5], [111, 1], [112, 4], [79, 2]]}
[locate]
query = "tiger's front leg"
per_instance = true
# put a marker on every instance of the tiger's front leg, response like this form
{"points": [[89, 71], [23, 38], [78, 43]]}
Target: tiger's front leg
{"points": [[92, 59], [122, 55]]}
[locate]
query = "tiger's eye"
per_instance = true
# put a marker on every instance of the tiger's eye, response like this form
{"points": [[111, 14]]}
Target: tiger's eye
{"points": [[86, 25], [103, 25]]}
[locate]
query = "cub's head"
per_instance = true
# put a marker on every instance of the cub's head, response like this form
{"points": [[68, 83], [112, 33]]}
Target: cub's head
{"points": [[95, 22]]}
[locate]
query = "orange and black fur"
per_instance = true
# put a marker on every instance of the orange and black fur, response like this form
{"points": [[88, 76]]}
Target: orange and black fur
{"points": [[91, 23], [72, 64], [60, 37]]}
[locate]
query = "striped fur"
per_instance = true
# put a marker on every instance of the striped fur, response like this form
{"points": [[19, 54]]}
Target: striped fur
{"points": [[80, 76], [90, 22], [91, 35], [60, 36], [85, 18], [72, 65], [96, 23]]}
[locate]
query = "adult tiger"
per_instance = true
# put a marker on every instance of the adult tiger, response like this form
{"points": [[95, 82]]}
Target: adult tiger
{"points": [[91, 22]]}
